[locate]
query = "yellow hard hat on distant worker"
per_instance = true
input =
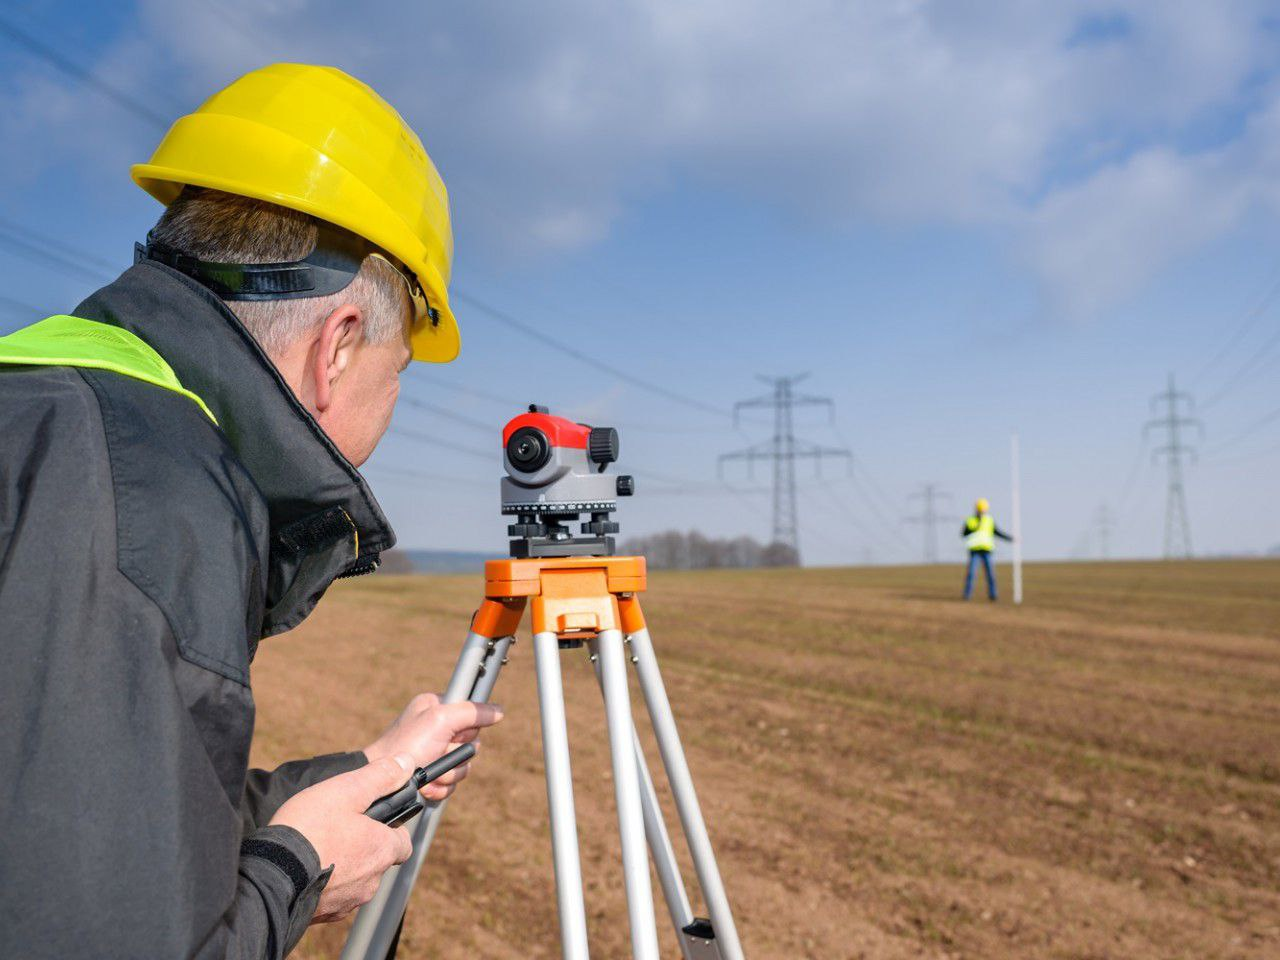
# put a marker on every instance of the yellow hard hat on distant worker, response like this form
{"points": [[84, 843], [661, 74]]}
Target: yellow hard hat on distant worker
{"points": [[982, 506], [316, 140]]}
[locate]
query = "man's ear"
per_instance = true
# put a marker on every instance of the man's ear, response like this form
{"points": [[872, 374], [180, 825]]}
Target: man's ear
{"points": [[335, 346]]}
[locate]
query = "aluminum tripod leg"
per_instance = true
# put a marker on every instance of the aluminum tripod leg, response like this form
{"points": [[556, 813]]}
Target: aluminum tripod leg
{"points": [[626, 784], [664, 857], [377, 922], [677, 767], [564, 823]]}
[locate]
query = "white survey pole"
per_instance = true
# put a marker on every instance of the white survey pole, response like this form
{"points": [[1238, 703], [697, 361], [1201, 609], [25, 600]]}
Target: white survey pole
{"points": [[1017, 519]]}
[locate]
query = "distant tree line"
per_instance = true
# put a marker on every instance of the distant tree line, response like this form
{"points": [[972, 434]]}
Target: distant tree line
{"points": [[674, 550]]}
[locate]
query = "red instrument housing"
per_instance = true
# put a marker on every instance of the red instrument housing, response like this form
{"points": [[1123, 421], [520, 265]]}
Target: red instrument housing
{"points": [[561, 432]]}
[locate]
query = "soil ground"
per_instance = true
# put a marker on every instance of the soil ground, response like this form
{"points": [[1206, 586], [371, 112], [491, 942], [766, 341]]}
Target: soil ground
{"points": [[887, 772]]}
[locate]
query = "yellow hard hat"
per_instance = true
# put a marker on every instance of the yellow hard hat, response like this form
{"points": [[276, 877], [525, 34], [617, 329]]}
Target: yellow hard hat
{"points": [[319, 141], [982, 506]]}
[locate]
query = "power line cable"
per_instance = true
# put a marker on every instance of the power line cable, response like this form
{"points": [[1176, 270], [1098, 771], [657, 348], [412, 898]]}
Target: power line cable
{"points": [[487, 428], [1247, 431], [22, 306], [61, 263], [128, 102], [891, 532], [1247, 368], [434, 441], [56, 248], [1134, 470], [1251, 317], [854, 518], [817, 531], [407, 473], [569, 350], [120, 98]]}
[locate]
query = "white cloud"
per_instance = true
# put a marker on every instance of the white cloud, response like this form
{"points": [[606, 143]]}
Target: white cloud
{"points": [[551, 120]]}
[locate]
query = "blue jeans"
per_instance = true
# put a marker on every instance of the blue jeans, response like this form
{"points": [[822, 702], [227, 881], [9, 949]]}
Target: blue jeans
{"points": [[983, 557]]}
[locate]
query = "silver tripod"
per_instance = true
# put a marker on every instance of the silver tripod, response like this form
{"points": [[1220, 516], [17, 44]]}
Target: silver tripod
{"points": [[577, 601]]}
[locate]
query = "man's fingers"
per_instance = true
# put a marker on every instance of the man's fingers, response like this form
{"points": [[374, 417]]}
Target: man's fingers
{"points": [[457, 717], [373, 780], [403, 844], [424, 701], [437, 793]]}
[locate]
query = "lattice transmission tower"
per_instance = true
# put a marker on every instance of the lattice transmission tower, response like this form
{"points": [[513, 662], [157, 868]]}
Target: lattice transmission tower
{"points": [[783, 449], [1104, 522], [930, 497], [1177, 529]]}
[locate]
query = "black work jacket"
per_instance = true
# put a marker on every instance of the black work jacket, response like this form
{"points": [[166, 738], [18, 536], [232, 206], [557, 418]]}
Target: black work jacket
{"points": [[143, 554]]}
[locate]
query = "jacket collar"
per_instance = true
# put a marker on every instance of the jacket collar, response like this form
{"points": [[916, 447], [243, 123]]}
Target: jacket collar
{"points": [[325, 522]]}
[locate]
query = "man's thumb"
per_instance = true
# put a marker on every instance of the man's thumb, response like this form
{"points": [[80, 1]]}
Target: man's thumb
{"points": [[381, 777]]}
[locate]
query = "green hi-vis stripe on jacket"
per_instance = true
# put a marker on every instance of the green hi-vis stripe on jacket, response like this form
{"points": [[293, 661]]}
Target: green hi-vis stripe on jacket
{"points": [[64, 341], [982, 533]]}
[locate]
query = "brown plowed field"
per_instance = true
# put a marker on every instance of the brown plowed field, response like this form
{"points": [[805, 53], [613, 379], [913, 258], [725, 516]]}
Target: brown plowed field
{"points": [[887, 772]]}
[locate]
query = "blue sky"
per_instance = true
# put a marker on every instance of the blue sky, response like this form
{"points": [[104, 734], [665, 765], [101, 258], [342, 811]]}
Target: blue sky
{"points": [[961, 219]]}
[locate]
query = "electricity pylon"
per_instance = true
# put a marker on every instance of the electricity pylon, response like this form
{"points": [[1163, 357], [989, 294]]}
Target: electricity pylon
{"points": [[1177, 529], [930, 518], [1104, 522], [784, 449]]}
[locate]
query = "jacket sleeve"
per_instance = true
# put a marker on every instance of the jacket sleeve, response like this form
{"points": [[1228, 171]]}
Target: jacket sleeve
{"points": [[118, 837], [266, 790], [1001, 534]]}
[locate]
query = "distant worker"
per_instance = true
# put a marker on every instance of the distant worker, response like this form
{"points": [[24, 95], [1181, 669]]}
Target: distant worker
{"points": [[979, 534]]}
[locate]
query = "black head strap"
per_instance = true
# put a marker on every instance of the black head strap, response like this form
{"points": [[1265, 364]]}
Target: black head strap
{"points": [[330, 267]]}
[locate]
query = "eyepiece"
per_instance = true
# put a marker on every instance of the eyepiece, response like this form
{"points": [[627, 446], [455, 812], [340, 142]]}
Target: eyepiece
{"points": [[529, 450]]}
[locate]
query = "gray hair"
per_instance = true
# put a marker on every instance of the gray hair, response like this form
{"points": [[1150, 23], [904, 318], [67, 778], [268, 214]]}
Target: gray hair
{"points": [[226, 228]]}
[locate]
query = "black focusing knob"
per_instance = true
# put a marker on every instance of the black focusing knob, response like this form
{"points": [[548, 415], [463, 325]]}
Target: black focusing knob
{"points": [[626, 486], [602, 446]]}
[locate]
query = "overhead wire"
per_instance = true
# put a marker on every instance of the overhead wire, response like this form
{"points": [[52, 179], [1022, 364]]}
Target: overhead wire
{"points": [[407, 473], [1250, 319], [1247, 432], [445, 412], [127, 102], [507, 319], [60, 262], [442, 443], [21, 306], [124, 100], [31, 245], [1249, 367]]}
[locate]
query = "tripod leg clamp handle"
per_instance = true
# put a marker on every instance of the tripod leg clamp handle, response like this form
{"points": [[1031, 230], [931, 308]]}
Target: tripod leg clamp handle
{"points": [[397, 808]]}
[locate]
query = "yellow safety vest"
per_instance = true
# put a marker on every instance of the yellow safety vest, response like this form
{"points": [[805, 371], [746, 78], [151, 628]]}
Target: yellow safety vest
{"points": [[63, 341], [982, 533]]}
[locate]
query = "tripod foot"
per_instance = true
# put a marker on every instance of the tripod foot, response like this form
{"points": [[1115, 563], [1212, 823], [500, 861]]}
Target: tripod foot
{"points": [[698, 941]]}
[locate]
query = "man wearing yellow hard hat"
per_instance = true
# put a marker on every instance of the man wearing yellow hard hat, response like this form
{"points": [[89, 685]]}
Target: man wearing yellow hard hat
{"points": [[177, 481], [980, 533]]}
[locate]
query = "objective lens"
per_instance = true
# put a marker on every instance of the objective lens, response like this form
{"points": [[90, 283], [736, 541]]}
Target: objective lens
{"points": [[528, 449]]}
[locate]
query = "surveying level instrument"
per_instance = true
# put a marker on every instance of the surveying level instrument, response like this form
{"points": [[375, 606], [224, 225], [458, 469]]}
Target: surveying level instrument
{"points": [[579, 595]]}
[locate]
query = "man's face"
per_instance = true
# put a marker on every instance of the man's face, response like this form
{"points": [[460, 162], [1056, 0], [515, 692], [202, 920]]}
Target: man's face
{"points": [[364, 397]]}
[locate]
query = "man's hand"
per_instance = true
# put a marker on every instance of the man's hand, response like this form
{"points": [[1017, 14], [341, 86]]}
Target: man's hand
{"points": [[331, 816], [428, 729]]}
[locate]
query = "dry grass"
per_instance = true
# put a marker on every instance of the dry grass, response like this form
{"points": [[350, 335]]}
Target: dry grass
{"points": [[887, 772]]}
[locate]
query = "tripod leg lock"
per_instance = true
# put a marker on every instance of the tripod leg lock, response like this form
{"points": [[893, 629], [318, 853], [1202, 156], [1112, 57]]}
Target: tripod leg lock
{"points": [[699, 940]]}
